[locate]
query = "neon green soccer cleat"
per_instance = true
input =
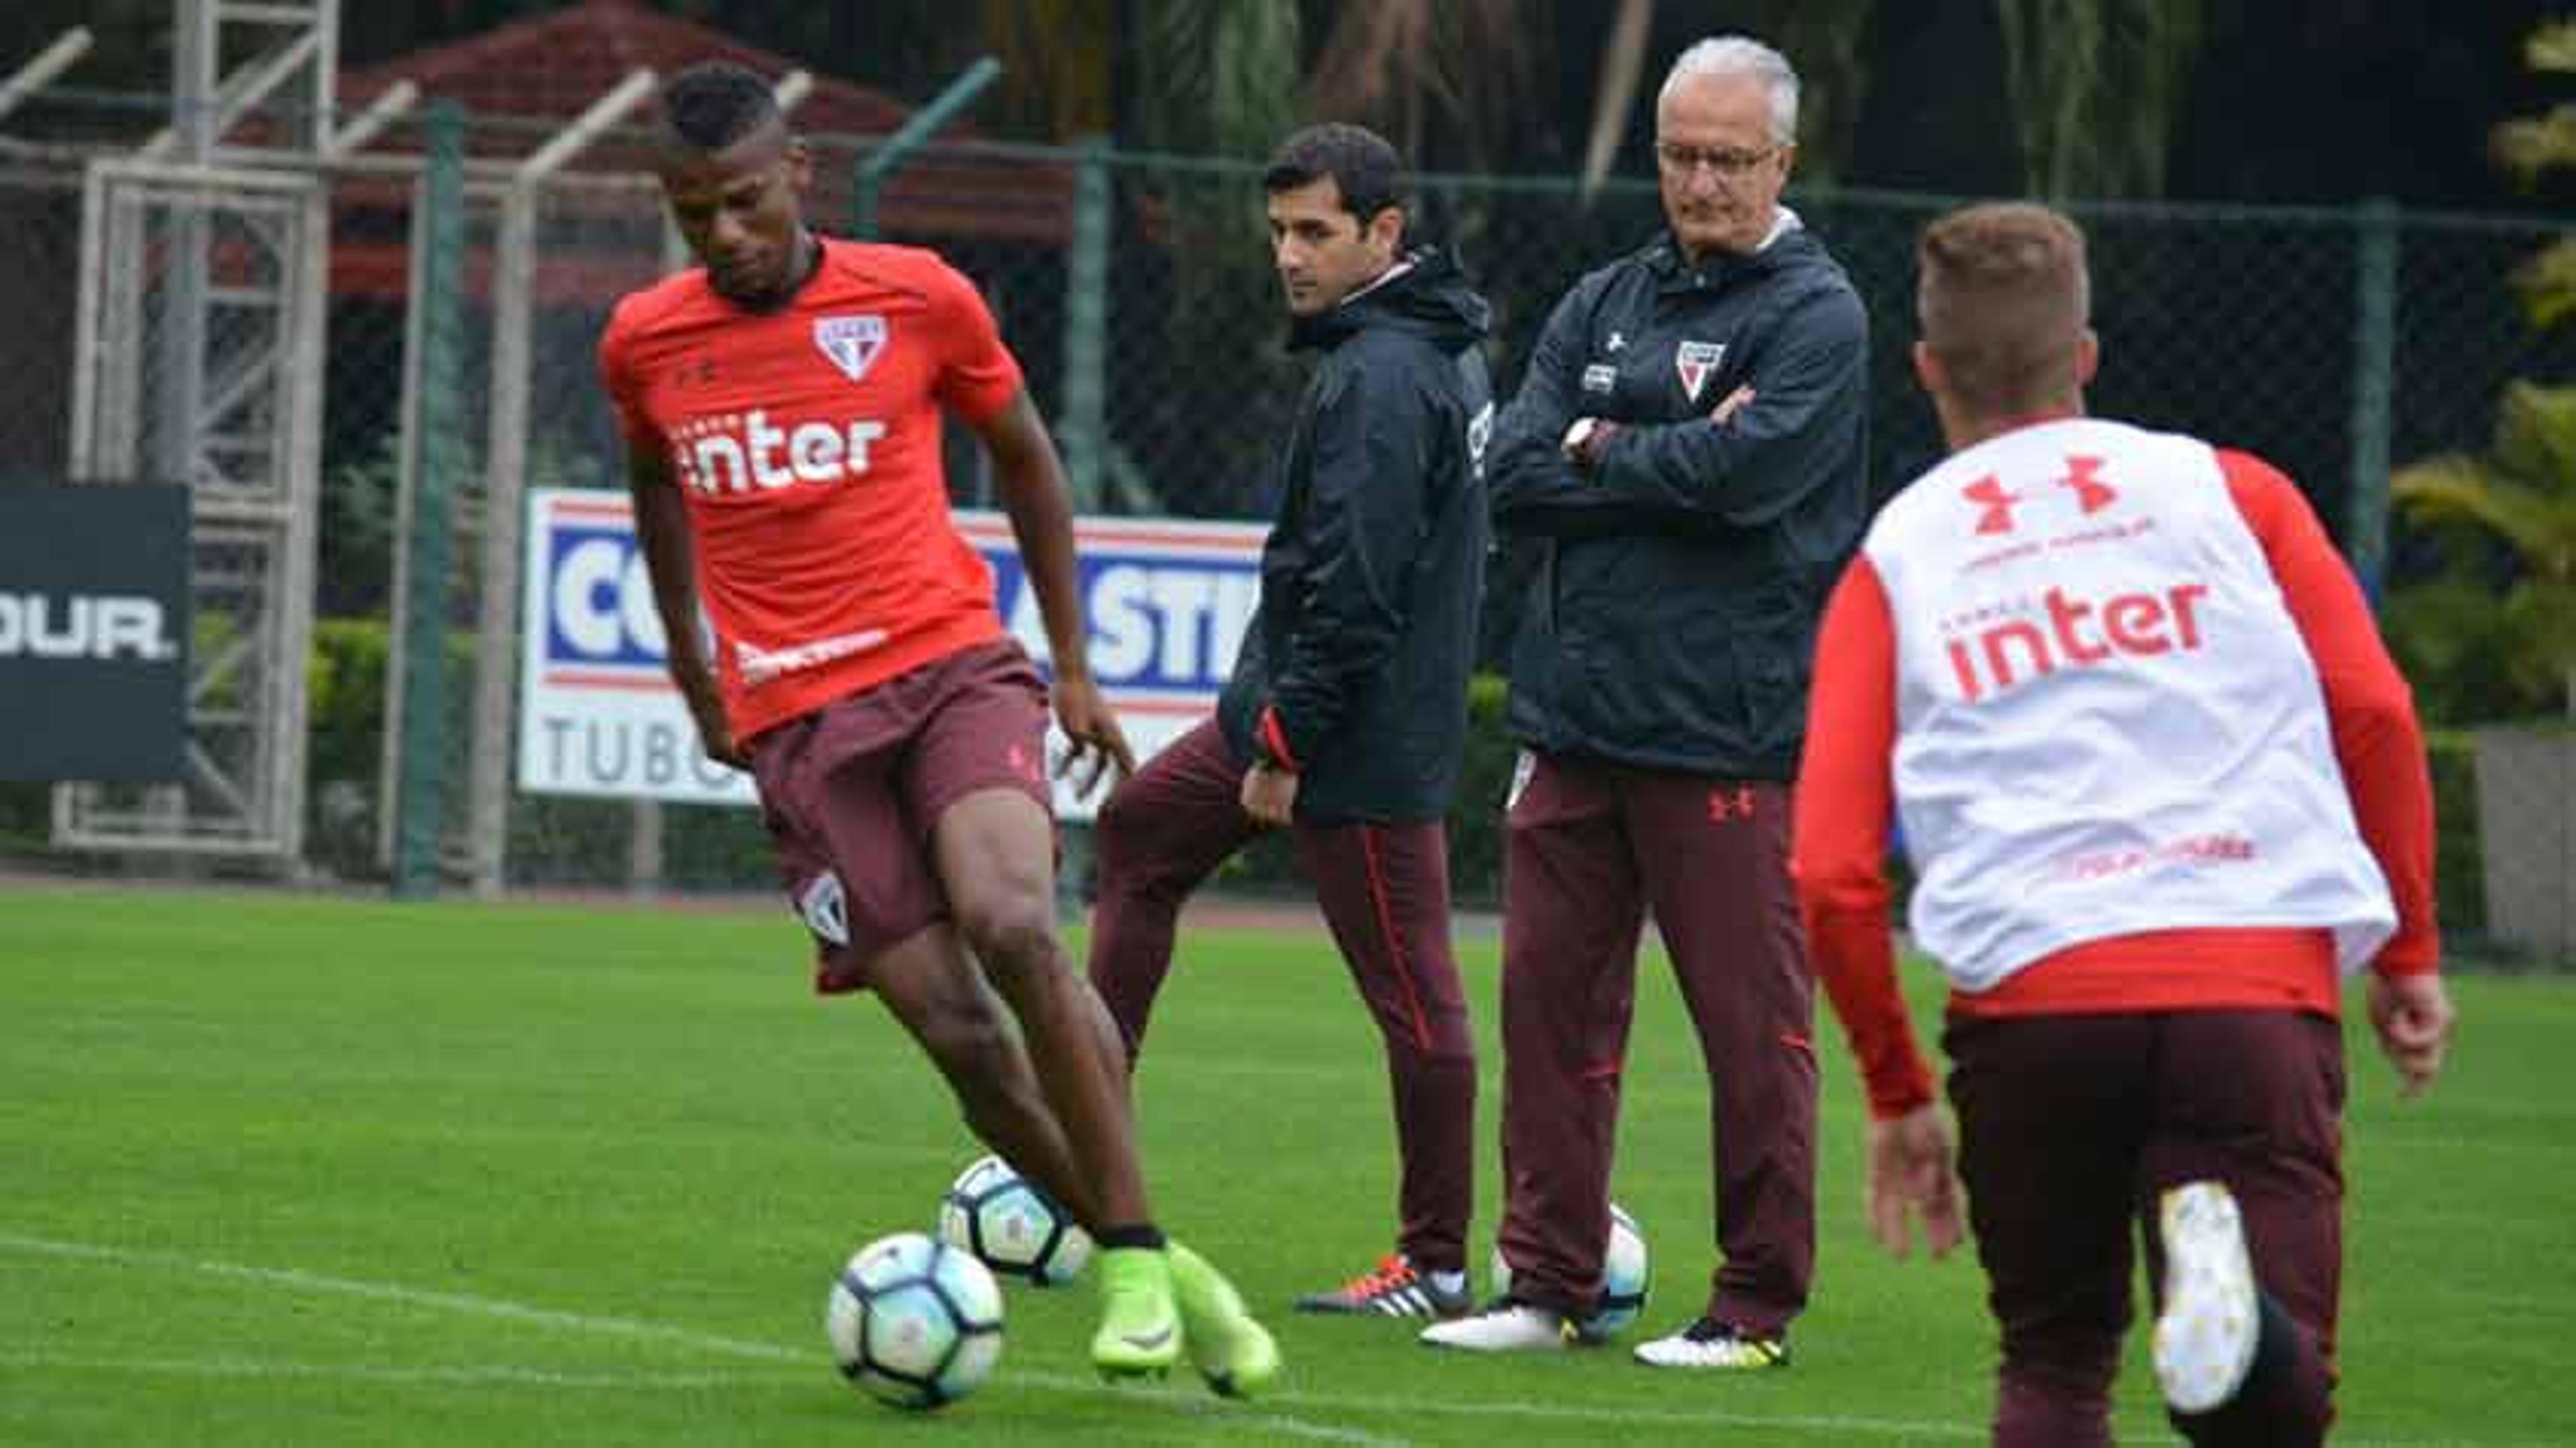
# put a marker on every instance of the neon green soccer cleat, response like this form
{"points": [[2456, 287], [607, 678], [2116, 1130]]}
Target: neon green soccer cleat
{"points": [[1233, 1352], [1140, 1327]]}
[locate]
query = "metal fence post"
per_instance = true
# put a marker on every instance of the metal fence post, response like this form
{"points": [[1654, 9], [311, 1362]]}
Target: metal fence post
{"points": [[490, 766], [1082, 433], [431, 433], [868, 181], [2374, 366]]}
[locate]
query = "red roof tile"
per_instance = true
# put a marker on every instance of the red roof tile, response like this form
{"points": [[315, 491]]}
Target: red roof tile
{"points": [[549, 68]]}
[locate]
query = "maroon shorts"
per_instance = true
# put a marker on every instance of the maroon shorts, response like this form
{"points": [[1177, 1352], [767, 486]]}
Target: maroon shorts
{"points": [[851, 792]]}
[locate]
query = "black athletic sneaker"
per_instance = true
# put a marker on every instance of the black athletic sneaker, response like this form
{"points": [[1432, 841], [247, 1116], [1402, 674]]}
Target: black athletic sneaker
{"points": [[1392, 1289]]}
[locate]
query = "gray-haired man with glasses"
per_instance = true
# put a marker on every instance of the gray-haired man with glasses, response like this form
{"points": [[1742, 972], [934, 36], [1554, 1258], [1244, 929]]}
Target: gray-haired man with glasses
{"points": [[1688, 450]]}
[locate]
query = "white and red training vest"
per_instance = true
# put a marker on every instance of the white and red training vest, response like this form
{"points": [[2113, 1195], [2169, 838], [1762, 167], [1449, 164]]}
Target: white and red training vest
{"points": [[2175, 772]]}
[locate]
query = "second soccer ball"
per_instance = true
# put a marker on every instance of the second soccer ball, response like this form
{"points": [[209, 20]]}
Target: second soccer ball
{"points": [[1625, 1276], [1011, 1226]]}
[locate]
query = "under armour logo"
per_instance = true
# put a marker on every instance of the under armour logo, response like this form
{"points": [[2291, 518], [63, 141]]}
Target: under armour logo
{"points": [[1725, 804], [1989, 492], [2090, 490], [2083, 478]]}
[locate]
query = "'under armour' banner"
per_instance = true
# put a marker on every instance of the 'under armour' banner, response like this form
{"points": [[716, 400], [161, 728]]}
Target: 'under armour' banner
{"points": [[93, 632]]}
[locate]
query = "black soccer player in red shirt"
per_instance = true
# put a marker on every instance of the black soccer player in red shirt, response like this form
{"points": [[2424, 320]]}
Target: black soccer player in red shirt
{"points": [[782, 408]]}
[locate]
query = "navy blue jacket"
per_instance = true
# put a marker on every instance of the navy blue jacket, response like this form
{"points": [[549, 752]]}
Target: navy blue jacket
{"points": [[1355, 667], [1672, 616]]}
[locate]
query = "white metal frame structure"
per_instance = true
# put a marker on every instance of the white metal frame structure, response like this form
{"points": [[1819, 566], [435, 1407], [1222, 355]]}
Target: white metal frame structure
{"points": [[203, 291]]}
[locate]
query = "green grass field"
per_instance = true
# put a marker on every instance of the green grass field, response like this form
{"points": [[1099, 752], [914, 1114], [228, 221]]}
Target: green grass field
{"points": [[303, 1171]]}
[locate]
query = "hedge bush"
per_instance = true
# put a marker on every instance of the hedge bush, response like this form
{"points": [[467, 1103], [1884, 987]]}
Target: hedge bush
{"points": [[2457, 881]]}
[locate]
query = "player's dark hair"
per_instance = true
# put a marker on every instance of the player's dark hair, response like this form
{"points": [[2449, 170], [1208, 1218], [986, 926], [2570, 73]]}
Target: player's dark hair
{"points": [[1364, 168], [713, 104], [2003, 299]]}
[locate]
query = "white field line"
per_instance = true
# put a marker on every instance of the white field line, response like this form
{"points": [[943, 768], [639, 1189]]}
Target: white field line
{"points": [[498, 1375], [1288, 1427], [499, 1309], [507, 1375], [457, 1302], [296, 1280]]}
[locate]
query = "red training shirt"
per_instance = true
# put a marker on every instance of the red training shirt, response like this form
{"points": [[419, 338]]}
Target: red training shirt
{"points": [[806, 441]]}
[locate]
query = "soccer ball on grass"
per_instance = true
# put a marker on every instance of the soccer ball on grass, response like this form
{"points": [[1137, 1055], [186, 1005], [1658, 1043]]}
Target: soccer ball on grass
{"points": [[1625, 1276], [1011, 1226], [914, 1322]]}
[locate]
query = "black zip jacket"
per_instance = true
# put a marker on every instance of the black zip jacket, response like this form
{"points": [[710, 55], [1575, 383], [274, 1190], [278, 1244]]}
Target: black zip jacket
{"points": [[1672, 617], [1354, 669]]}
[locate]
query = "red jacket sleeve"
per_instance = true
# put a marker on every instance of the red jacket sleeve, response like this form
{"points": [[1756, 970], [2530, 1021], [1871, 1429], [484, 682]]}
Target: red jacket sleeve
{"points": [[2377, 739], [1845, 797]]}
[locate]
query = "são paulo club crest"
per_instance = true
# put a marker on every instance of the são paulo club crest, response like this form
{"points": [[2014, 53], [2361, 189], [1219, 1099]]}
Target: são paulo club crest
{"points": [[851, 342], [1695, 360]]}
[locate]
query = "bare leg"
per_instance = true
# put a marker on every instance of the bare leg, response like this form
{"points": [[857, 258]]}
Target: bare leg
{"points": [[930, 985], [995, 850]]}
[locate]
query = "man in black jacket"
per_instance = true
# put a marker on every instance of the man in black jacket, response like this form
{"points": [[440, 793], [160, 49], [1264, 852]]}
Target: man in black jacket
{"points": [[1345, 714], [1688, 449]]}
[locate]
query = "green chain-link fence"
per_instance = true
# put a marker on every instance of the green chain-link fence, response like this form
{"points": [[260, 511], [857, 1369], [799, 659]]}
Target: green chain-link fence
{"points": [[2247, 325], [1136, 290]]}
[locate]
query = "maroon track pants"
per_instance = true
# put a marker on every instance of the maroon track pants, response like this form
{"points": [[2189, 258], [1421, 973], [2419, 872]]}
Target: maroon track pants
{"points": [[2070, 1127], [1592, 847], [1385, 892]]}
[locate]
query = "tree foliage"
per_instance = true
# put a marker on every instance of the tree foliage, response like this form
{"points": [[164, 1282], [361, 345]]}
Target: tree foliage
{"points": [[1453, 83], [2096, 86], [2526, 148], [2521, 493], [1214, 77]]}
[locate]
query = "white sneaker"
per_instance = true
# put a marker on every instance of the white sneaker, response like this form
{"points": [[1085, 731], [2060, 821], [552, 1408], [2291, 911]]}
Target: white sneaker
{"points": [[1709, 1343], [1504, 1327], [2206, 1335]]}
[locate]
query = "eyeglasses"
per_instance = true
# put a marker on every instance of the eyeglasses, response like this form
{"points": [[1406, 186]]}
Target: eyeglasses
{"points": [[1728, 165]]}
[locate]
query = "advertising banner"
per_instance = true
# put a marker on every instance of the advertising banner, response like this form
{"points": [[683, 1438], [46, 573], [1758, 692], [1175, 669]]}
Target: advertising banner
{"points": [[94, 627], [1168, 604]]}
